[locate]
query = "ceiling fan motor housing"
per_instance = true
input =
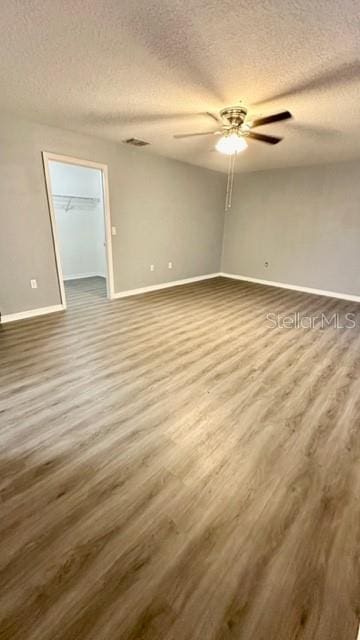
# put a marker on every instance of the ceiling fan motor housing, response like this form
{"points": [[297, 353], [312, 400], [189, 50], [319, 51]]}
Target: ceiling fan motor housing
{"points": [[233, 116]]}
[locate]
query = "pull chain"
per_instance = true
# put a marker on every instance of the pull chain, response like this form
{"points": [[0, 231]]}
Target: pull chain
{"points": [[230, 181]]}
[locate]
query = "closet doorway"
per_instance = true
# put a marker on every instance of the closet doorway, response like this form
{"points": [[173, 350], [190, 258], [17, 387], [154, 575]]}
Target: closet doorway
{"points": [[80, 218]]}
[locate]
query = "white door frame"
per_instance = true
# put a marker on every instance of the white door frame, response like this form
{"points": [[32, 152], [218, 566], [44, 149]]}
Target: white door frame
{"points": [[47, 157]]}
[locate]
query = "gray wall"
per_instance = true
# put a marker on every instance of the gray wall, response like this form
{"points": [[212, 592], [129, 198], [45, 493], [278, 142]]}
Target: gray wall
{"points": [[304, 221], [163, 210]]}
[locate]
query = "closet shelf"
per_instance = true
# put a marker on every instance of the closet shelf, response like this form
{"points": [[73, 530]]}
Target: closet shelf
{"points": [[74, 202]]}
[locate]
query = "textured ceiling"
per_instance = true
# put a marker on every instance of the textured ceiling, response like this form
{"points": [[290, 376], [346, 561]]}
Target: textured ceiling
{"points": [[125, 68]]}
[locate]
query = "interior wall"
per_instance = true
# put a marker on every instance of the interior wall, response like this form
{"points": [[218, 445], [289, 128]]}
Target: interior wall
{"points": [[305, 222], [81, 228], [163, 211]]}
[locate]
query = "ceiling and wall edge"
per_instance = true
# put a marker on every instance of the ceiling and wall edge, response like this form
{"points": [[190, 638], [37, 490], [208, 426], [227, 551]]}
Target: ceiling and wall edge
{"points": [[149, 150]]}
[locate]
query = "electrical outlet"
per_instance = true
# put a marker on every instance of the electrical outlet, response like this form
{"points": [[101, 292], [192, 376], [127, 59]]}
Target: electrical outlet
{"points": [[113, 231], [152, 267], [169, 265], [33, 284], [266, 264]]}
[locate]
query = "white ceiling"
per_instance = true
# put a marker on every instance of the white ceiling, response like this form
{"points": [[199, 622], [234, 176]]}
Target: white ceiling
{"points": [[140, 68]]}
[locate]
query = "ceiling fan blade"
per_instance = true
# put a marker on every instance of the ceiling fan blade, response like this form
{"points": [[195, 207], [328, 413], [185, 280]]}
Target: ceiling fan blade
{"points": [[211, 115], [276, 117], [202, 133], [262, 138]]}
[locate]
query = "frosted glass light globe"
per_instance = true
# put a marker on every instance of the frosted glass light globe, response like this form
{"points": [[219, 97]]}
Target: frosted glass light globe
{"points": [[231, 144]]}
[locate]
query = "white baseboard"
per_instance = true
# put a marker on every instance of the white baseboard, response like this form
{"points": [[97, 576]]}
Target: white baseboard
{"points": [[294, 287], [31, 313], [163, 285], [84, 275]]}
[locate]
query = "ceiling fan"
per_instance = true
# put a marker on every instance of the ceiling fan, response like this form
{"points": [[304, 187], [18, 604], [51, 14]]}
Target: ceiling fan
{"points": [[235, 129]]}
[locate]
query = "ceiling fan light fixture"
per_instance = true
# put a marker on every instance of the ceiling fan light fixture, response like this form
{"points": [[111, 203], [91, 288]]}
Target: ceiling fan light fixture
{"points": [[231, 144]]}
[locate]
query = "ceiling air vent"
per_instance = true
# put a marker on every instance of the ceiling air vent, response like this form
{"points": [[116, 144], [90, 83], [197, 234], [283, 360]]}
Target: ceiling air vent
{"points": [[136, 142]]}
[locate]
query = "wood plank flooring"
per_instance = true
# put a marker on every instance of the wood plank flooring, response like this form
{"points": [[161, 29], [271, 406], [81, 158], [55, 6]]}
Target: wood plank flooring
{"points": [[172, 468]]}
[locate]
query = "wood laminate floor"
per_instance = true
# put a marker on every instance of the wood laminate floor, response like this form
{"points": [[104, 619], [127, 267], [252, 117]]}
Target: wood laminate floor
{"points": [[172, 468]]}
